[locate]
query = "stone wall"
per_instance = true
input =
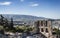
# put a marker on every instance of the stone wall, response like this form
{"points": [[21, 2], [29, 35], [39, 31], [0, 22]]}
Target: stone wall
{"points": [[45, 27]]}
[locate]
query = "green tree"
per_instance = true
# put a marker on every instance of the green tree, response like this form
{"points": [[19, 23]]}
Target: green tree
{"points": [[57, 31], [11, 23], [1, 20]]}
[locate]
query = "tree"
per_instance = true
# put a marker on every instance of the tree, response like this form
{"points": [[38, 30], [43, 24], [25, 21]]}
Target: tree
{"points": [[1, 19], [57, 31], [6, 23], [11, 23]]}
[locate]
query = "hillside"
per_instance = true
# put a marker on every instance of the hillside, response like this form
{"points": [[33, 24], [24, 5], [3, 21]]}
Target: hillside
{"points": [[23, 17]]}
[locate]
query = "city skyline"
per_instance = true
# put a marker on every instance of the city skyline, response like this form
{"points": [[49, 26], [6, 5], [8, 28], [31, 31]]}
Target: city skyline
{"points": [[41, 8]]}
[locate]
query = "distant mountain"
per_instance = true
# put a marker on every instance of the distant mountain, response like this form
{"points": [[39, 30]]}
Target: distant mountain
{"points": [[23, 17]]}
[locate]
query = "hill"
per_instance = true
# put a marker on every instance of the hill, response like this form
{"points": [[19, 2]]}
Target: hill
{"points": [[23, 17]]}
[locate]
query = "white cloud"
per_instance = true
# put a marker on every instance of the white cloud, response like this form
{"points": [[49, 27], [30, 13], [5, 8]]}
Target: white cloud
{"points": [[21, 0], [5, 3], [34, 4]]}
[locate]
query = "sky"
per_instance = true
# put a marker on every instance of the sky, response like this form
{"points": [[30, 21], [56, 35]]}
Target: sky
{"points": [[40, 8]]}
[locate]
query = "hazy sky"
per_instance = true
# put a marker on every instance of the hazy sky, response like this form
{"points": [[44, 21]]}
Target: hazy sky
{"points": [[41, 8]]}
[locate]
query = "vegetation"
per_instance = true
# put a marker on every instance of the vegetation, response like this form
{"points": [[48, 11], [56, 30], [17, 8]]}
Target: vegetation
{"points": [[57, 31], [7, 26], [23, 29]]}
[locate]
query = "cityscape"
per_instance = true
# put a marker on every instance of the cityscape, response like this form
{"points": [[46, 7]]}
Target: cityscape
{"points": [[29, 19], [32, 28]]}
